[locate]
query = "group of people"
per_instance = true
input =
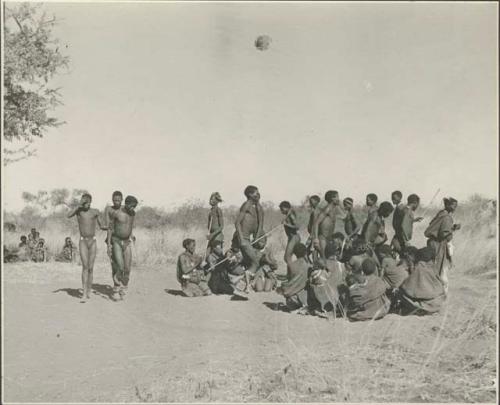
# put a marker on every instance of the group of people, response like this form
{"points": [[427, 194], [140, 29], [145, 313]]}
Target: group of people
{"points": [[357, 273], [30, 248], [118, 222], [33, 248]]}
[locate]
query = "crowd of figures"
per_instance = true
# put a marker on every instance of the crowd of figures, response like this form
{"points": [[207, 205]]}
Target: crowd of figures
{"points": [[357, 273], [33, 248]]}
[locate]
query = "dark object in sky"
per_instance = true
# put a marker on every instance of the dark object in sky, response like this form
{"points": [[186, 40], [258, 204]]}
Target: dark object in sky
{"points": [[262, 42]]}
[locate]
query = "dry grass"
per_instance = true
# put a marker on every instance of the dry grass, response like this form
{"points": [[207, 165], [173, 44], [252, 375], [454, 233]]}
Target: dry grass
{"points": [[449, 357]]}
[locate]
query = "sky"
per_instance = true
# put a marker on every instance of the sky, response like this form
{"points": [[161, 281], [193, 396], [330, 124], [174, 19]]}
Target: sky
{"points": [[169, 102]]}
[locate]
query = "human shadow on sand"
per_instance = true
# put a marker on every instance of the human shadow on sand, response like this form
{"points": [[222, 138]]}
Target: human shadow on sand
{"points": [[276, 306], [102, 290], [73, 292], [177, 293]]}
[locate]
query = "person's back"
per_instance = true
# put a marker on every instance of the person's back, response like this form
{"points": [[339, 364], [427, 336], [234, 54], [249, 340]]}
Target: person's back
{"points": [[423, 291], [368, 300], [392, 273]]}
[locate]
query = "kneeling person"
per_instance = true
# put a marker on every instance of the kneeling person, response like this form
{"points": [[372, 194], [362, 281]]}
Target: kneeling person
{"points": [[190, 273], [367, 300], [265, 279]]}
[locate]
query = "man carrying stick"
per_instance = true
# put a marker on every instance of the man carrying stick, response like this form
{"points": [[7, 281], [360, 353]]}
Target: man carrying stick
{"points": [[249, 224], [215, 221]]}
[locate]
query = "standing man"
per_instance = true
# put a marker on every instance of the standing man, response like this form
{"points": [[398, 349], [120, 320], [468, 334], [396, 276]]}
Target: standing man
{"points": [[117, 199], [313, 204], [371, 204], [351, 226], [290, 225], [249, 225], [397, 218], [439, 234], [87, 219], [215, 221], [403, 226], [119, 243], [373, 232], [324, 226]]}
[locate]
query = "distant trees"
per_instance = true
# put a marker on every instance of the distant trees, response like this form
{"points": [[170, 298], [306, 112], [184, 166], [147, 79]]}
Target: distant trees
{"points": [[50, 201], [31, 58]]}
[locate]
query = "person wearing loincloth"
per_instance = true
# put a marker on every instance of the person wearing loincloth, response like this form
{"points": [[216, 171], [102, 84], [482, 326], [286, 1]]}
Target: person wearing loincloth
{"points": [[87, 219], [120, 239], [249, 226], [324, 225]]}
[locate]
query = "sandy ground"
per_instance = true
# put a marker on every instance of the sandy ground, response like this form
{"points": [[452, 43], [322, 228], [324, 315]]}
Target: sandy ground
{"points": [[159, 346]]}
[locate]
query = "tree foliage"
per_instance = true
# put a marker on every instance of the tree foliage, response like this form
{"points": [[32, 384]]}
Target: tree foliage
{"points": [[49, 201], [31, 59]]}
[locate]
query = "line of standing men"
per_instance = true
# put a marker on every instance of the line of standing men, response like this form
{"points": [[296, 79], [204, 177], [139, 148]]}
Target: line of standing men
{"points": [[119, 223]]}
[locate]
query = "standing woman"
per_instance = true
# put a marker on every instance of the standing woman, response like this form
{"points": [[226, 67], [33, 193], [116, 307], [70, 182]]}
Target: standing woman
{"points": [[439, 234]]}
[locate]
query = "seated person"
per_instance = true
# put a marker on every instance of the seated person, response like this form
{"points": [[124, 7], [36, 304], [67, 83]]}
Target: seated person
{"points": [[367, 299], [217, 269], [190, 272], [294, 289], [422, 292], [265, 280], [392, 274], [360, 251], [236, 272], [68, 253], [324, 283], [24, 242], [40, 254]]}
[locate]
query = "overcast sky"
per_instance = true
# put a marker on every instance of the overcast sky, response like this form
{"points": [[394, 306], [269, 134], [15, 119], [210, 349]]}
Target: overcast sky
{"points": [[170, 102]]}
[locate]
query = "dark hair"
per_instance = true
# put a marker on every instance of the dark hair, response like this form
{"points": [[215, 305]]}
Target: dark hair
{"points": [[348, 200], [384, 250], [285, 204], [300, 250], [187, 242], [338, 235], [117, 193], [425, 254], [315, 198], [397, 193], [413, 198], [249, 190], [372, 197], [87, 196], [359, 246], [369, 266], [330, 195], [130, 199], [23, 237], [214, 243], [385, 208], [410, 252], [448, 201]]}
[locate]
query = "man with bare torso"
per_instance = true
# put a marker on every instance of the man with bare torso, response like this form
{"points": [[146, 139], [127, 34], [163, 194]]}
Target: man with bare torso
{"points": [[249, 226], [117, 199], [87, 219], [324, 225], [119, 243]]}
